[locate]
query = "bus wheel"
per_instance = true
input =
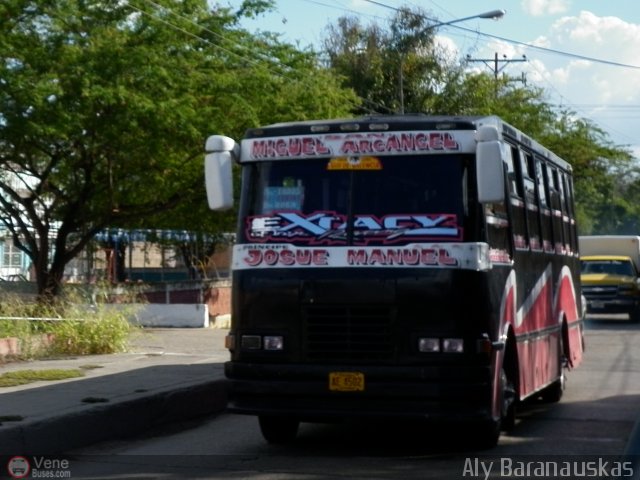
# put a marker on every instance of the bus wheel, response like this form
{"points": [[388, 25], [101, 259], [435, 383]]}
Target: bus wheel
{"points": [[508, 409], [278, 430], [487, 434]]}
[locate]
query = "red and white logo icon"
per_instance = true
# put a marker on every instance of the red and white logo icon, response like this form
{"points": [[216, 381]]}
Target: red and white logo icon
{"points": [[18, 467]]}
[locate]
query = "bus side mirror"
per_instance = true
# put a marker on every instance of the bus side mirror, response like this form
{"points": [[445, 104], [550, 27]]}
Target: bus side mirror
{"points": [[490, 171], [218, 171]]}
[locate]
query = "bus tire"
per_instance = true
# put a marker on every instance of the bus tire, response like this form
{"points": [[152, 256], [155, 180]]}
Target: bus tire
{"points": [[508, 409], [634, 315], [277, 429], [487, 433]]}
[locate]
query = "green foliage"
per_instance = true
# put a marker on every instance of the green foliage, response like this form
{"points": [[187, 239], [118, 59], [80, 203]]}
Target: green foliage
{"points": [[392, 70], [607, 182], [22, 377], [96, 327], [16, 329], [71, 327], [101, 331], [602, 175], [105, 107]]}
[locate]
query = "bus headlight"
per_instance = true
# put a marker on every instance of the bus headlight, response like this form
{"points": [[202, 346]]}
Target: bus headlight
{"points": [[273, 342], [453, 345], [444, 345], [429, 345], [260, 342]]}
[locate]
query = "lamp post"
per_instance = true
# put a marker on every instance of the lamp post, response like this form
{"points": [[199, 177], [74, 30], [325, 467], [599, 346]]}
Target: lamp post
{"points": [[492, 14]]}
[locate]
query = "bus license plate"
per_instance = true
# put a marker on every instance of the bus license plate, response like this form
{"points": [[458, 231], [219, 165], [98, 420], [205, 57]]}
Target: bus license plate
{"points": [[346, 381]]}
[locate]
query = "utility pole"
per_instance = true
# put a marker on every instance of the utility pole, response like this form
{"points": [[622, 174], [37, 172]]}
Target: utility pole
{"points": [[493, 15], [522, 79], [494, 63]]}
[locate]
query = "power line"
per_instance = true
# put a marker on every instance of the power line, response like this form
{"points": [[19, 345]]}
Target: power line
{"points": [[550, 51], [517, 42], [494, 63], [376, 107], [559, 52], [242, 57], [578, 108]]}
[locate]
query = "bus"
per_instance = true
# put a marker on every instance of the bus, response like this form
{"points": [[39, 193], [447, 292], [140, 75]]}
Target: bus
{"points": [[397, 266]]}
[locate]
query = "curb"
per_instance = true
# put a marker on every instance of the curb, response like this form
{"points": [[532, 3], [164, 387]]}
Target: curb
{"points": [[57, 435]]}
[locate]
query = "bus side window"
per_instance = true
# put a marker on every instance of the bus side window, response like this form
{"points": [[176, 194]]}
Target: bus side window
{"points": [[527, 177], [497, 218], [518, 207], [533, 221], [567, 215], [574, 224], [545, 211], [514, 186], [556, 209]]}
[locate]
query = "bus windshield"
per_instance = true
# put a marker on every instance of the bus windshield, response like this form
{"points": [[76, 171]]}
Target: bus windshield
{"points": [[367, 201]]}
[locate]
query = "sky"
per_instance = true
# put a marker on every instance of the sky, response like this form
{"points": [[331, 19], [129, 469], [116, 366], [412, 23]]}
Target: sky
{"points": [[585, 54]]}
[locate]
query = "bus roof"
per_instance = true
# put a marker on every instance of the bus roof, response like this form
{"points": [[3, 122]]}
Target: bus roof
{"points": [[366, 124], [403, 122]]}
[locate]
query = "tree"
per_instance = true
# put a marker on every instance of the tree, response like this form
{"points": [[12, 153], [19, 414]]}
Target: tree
{"points": [[602, 171], [603, 175], [105, 106], [374, 61], [392, 70]]}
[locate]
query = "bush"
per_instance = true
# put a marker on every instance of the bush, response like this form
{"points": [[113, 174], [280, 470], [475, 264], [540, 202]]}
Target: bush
{"points": [[77, 328], [97, 331], [12, 306]]}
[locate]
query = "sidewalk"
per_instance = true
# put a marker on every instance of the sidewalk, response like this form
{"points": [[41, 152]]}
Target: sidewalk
{"points": [[169, 375]]}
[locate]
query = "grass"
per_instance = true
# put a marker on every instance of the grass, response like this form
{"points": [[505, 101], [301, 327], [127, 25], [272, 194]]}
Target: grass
{"points": [[22, 377], [77, 326]]}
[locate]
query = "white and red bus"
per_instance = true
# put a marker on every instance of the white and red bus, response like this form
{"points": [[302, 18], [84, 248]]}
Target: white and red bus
{"points": [[398, 266]]}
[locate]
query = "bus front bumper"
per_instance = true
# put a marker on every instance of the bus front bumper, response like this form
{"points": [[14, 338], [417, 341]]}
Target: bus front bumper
{"points": [[304, 392]]}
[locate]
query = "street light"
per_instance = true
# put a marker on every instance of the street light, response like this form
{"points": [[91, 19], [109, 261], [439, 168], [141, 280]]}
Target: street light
{"points": [[492, 14]]}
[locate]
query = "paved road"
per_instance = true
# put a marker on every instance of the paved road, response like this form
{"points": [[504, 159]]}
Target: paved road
{"points": [[595, 420]]}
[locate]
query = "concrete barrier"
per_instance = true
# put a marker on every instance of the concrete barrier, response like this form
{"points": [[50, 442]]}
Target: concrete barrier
{"points": [[173, 315], [161, 315], [222, 321]]}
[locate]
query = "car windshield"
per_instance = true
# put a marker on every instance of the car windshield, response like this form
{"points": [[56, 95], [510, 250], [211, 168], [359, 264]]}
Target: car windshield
{"points": [[608, 267], [373, 200]]}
